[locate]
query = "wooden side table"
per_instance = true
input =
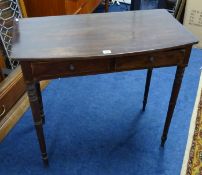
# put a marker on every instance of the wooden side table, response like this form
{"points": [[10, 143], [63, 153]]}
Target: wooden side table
{"points": [[64, 46]]}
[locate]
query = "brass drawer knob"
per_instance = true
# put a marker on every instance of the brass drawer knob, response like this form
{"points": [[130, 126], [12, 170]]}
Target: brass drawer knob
{"points": [[151, 59], [71, 67], [3, 111]]}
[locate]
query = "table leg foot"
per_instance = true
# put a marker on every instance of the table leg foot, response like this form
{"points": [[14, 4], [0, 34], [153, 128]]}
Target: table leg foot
{"points": [[45, 159], [147, 85], [163, 141], [175, 91]]}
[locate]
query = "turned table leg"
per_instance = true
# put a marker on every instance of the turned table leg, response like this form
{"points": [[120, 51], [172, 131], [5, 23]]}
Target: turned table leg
{"points": [[36, 112], [175, 91], [147, 85], [38, 89]]}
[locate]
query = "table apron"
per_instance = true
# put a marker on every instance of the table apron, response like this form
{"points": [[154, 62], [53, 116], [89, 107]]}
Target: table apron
{"points": [[43, 70]]}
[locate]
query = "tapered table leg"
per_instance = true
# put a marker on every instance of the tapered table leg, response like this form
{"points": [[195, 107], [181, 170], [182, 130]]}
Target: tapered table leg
{"points": [[175, 91], [35, 106], [147, 85], [38, 89]]}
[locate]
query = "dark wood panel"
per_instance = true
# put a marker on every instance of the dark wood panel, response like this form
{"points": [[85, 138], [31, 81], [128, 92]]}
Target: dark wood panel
{"points": [[44, 7], [36, 8], [71, 7], [47, 70], [161, 59]]}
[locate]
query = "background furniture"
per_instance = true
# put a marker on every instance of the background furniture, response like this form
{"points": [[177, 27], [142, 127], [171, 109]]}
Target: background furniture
{"points": [[60, 7]]}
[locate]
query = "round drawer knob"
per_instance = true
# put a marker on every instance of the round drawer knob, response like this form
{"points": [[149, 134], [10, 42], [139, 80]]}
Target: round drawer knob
{"points": [[71, 67], [151, 59]]}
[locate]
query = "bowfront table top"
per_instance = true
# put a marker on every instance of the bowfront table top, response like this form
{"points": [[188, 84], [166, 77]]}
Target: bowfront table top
{"points": [[64, 46], [85, 36]]}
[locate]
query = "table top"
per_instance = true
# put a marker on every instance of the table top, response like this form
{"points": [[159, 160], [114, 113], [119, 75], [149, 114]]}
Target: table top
{"points": [[97, 35]]}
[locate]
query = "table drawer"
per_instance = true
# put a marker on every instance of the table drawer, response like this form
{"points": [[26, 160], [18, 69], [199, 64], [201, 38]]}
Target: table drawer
{"points": [[49, 70], [162, 59]]}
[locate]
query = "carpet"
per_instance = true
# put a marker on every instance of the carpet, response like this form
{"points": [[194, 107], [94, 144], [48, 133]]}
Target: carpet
{"points": [[94, 125], [192, 164]]}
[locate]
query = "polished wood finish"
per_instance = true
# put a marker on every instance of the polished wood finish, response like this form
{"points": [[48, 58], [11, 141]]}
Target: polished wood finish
{"points": [[45, 7], [168, 58], [93, 44], [86, 6], [75, 40], [37, 8], [49, 70]]}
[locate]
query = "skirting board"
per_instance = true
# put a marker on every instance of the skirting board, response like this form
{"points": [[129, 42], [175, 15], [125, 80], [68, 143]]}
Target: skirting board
{"points": [[191, 129]]}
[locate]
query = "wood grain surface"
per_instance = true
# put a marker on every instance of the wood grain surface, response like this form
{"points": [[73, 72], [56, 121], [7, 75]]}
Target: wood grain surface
{"points": [[61, 37]]}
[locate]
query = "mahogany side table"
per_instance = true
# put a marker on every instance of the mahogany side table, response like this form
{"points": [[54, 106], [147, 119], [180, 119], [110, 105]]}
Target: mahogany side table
{"points": [[64, 46]]}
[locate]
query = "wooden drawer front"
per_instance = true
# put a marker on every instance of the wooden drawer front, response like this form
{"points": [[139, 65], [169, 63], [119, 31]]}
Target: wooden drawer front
{"points": [[49, 70], [170, 58], [11, 89]]}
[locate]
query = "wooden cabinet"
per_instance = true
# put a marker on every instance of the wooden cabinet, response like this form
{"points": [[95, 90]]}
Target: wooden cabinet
{"points": [[59, 7], [10, 92]]}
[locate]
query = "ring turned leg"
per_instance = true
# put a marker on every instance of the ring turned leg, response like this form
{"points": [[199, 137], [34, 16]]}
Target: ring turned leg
{"points": [[38, 89], [175, 91], [35, 106], [147, 85]]}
